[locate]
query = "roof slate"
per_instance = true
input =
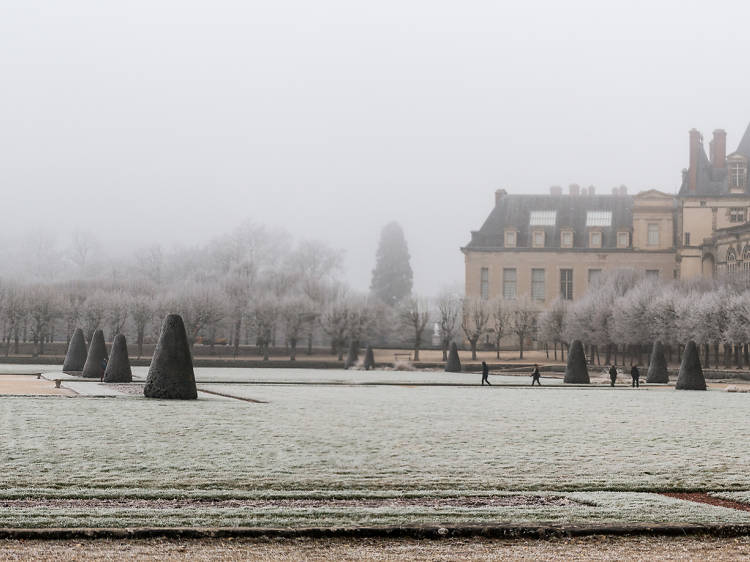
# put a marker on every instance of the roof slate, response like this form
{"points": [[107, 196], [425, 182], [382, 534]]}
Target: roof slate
{"points": [[512, 211]]}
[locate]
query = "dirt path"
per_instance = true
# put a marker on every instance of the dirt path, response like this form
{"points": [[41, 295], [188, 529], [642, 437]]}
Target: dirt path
{"points": [[589, 548], [30, 384]]}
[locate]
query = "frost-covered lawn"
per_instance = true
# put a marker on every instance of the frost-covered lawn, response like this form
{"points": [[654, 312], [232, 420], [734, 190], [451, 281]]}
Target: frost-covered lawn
{"points": [[376, 441]]}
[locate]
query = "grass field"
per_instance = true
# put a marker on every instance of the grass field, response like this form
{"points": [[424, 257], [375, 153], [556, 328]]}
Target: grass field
{"points": [[571, 455]]}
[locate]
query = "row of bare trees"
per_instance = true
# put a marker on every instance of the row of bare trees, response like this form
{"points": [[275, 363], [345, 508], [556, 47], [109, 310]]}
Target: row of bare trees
{"points": [[624, 313]]}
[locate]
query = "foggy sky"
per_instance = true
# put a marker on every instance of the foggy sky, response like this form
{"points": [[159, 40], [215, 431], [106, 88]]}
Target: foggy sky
{"points": [[175, 120]]}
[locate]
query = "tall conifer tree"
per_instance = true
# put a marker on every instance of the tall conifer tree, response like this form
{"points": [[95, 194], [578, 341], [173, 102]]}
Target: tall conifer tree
{"points": [[392, 276]]}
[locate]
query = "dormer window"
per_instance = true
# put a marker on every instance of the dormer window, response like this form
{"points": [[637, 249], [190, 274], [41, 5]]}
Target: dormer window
{"points": [[599, 218], [537, 239], [623, 239], [595, 239], [510, 238], [737, 173], [542, 218], [566, 239]]}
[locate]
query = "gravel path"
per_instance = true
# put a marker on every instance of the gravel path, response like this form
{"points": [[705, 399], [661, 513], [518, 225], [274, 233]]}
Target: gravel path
{"points": [[589, 548]]}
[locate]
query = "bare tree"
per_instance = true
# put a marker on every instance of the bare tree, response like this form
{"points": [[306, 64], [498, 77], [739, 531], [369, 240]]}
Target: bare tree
{"points": [[141, 313], [474, 323], [523, 321], [449, 310], [415, 314], [266, 312], [44, 306], [295, 312], [499, 320], [118, 308], [94, 312]]}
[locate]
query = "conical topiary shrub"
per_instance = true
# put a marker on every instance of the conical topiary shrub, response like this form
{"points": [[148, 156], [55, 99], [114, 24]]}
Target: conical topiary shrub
{"points": [[369, 358], [576, 371], [75, 358], [690, 376], [171, 372], [454, 362], [657, 366], [118, 367], [95, 360], [352, 356]]}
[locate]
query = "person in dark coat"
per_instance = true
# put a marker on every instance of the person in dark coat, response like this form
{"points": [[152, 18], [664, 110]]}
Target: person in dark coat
{"points": [[535, 375], [635, 374], [485, 373], [612, 375], [104, 368]]}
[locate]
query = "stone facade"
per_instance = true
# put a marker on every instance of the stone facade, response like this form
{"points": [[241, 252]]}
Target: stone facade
{"points": [[547, 246]]}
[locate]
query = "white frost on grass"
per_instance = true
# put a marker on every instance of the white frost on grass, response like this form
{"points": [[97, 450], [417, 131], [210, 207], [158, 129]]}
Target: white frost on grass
{"points": [[602, 507], [380, 438]]}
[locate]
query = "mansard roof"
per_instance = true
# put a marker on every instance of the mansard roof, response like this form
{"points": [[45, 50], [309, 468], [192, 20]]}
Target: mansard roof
{"points": [[744, 146], [514, 211]]}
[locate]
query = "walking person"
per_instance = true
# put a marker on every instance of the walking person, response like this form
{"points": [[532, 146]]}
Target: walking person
{"points": [[612, 375], [485, 374], [535, 375], [104, 368], [635, 374]]}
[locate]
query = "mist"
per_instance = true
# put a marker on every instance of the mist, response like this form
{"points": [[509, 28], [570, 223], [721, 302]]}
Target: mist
{"points": [[171, 123]]}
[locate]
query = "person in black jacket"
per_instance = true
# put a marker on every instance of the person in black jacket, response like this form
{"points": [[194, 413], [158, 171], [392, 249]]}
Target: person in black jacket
{"points": [[485, 373], [635, 374], [535, 375], [612, 375]]}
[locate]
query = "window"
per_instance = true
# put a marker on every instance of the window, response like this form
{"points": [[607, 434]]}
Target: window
{"points": [[538, 239], [566, 239], [542, 218], [595, 239], [652, 274], [737, 214], [653, 234], [737, 174], [484, 284], [509, 283], [731, 261], [594, 275], [703, 203], [566, 284], [537, 284], [510, 238], [623, 239], [599, 218], [687, 239], [746, 261]]}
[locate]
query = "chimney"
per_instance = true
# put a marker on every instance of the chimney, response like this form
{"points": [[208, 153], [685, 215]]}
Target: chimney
{"points": [[555, 191], [695, 145], [623, 190], [574, 189], [499, 195], [719, 149], [592, 191]]}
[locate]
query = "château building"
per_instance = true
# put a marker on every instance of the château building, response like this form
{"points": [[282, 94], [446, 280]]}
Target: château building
{"points": [[556, 245]]}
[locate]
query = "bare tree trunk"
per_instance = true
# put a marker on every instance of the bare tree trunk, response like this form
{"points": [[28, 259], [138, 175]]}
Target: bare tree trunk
{"points": [[737, 356], [473, 343], [309, 343], [520, 346], [293, 349], [445, 353], [236, 338], [555, 345]]}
